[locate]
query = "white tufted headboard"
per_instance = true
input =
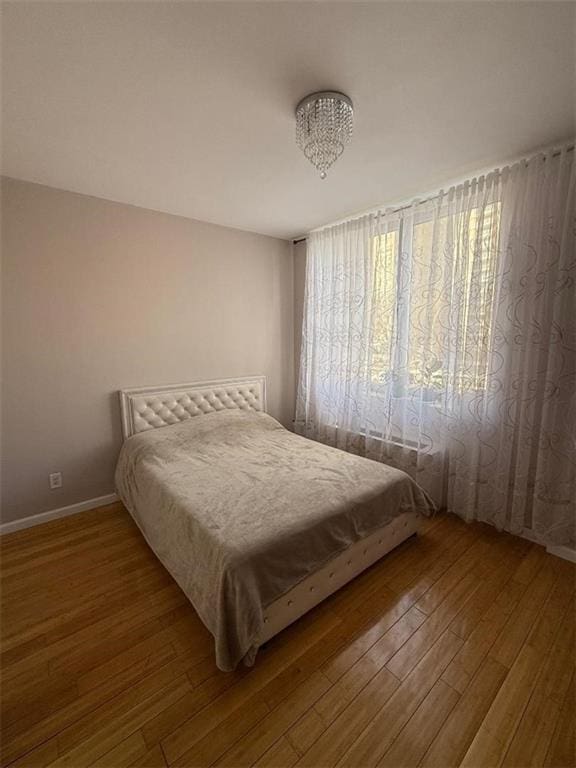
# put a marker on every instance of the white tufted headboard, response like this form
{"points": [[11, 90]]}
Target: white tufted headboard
{"points": [[150, 407]]}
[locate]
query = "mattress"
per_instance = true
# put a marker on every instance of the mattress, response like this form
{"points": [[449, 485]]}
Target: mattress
{"points": [[240, 510]]}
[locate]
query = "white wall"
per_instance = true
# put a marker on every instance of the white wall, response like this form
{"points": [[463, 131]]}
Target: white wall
{"points": [[98, 296]]}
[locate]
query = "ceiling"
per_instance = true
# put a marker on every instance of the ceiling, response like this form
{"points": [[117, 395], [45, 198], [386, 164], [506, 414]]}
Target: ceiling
{"points": [[188, 107]]}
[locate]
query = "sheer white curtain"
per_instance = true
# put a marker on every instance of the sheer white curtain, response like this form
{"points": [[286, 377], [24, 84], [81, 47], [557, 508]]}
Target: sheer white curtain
{"points": [[442, 339]]}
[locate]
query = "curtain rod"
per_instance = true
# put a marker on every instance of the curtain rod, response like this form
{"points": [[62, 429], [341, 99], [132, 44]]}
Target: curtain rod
{"points": [[569, 148]]}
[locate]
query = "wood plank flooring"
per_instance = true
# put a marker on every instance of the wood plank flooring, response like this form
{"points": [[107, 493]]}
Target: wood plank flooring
{"points": [[457, 649]]}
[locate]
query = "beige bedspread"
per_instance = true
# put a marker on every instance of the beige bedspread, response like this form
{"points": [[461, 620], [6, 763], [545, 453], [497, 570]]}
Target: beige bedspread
{"points": [[240, 510]]}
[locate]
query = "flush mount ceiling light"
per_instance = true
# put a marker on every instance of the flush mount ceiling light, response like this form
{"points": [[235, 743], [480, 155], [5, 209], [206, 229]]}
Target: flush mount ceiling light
{"points": [[324, 127]]}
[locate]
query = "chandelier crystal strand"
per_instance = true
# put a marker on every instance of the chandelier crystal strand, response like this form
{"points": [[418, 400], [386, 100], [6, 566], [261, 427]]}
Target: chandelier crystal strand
{"points": [[324, 127]]}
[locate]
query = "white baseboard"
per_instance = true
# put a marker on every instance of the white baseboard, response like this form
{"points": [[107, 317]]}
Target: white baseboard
{"points": [[564, 552], [54, 514], [83, 506]]}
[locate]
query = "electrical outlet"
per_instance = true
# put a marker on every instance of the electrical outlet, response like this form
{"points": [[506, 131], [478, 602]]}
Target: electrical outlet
{"points": [[55, 480]]}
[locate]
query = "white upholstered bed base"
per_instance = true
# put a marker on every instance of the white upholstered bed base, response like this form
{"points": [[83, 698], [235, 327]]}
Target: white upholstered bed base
{"points": [[336, 573], [147, 408]]}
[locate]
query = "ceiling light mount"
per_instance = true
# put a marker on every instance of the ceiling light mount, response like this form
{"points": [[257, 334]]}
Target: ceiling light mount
{"points": [[324, 127]]}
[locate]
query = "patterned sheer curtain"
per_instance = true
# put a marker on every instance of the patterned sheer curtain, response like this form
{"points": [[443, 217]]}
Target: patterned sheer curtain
{"points": [[441, 339]]}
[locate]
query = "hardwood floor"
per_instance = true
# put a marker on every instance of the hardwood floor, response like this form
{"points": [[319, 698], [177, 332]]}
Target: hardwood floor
{"points": [[456, 649]]}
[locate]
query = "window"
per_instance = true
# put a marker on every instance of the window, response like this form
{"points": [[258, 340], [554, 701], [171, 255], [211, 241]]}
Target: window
{"points": [[431, 310]]}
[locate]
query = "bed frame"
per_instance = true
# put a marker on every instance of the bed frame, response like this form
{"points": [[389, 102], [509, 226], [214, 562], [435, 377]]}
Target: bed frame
{"points": [[147, 408]]}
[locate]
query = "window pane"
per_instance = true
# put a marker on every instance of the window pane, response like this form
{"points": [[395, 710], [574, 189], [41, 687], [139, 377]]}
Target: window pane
{"points": [[383, 305], [432, 311]]}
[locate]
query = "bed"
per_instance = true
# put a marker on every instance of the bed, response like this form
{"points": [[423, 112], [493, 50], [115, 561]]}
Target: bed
{"points": [[256, 524]]}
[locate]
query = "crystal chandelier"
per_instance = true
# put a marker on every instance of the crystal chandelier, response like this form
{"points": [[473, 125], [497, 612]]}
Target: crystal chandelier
{"points": [[324, 127]]}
